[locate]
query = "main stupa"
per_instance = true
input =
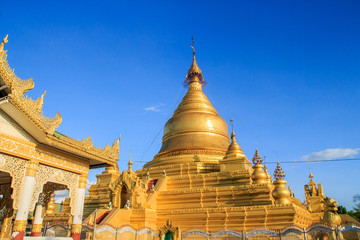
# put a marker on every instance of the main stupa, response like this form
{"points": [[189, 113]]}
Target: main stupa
{"points": [[194, 129], [200, 179]]}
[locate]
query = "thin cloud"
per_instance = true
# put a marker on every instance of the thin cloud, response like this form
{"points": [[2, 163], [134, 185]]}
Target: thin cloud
{"points": [[88, 185], [153, 109], [332, 153], [60, 195]]}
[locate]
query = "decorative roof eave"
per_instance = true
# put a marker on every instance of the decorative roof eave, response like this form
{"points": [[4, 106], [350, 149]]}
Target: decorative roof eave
{"points": [[18, 87], [109, 154], [33, 110]]}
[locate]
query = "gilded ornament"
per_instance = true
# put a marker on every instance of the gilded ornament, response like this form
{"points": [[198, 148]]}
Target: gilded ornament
{"points": [[16, 168], [281, 194], [258, 176], [4, 41], [76, 228], [278, 173], [19, 225], [169, 227], [41, 199], [82, 181], [28, 150], [36, 228], [257, 158], [2, 161], [31, 168], [87, 143]]}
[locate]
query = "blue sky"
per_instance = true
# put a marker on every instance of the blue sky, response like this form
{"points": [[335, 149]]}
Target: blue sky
{"points": [[288, 73]]}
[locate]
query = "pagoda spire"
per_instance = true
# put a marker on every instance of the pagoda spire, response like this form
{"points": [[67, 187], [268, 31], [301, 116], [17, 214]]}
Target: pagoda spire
{"points": [[194, 74], [312, 183], [234, 147], [268, 176], [130, 163], [279, 172], [258, 176], [233, 138], [257, 158], [280, 193], [311, 176]]}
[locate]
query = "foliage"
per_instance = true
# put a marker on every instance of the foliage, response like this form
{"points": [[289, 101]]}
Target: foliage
{"points": [[355, 213], [356, 199], [342, 210]]}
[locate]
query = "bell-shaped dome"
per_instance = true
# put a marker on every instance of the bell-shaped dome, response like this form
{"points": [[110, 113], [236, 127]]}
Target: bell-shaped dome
{"points": [[194, 129]]}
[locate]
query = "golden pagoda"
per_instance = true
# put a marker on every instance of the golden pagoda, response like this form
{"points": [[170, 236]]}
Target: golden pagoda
{"points": [[200, 179]]}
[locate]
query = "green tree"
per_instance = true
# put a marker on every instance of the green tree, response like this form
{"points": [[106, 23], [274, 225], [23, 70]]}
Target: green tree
{"points": [[356, 200], [342, 210], [355, 213]]}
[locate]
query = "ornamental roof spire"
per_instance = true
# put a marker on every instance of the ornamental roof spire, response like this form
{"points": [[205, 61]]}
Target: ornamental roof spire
{"points": [[312, 183], [279, 172], [310, 175], [130, 163], [2, 44], [234, 147], [268, 176], [257, 158], [194, 74], [232, 130]]}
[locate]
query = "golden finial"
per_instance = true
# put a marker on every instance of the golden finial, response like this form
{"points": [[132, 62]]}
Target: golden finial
{"points": [[278, 173], [310, 175], [232, 128], [193, 46], [130, 163], [257, 158], [2, 44], [291, 192], [268, 176], [312, 183], [194, 74]]}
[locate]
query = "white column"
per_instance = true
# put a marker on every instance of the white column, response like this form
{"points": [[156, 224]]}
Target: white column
{"points": [[38, 218], [25, 200], [79, 207]]}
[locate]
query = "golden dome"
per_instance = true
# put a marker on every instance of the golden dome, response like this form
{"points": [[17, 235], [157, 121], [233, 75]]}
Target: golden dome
{"points": [[194, 129]]}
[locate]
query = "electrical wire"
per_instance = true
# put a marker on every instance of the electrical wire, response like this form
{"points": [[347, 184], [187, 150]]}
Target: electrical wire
{"points": [[242, 123], [317, 160], [181, 91]]}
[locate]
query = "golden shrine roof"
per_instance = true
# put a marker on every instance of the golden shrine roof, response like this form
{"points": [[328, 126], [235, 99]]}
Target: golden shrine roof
{"points": [[13, 89], [347, 219]]}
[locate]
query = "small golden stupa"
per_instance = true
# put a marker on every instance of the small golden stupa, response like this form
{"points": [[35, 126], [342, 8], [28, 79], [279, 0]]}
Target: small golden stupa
{"points": [[200, 179]]}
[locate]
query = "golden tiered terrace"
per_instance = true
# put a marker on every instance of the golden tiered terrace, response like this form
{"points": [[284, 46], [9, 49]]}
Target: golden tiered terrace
{"points": [[200, 180]]}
